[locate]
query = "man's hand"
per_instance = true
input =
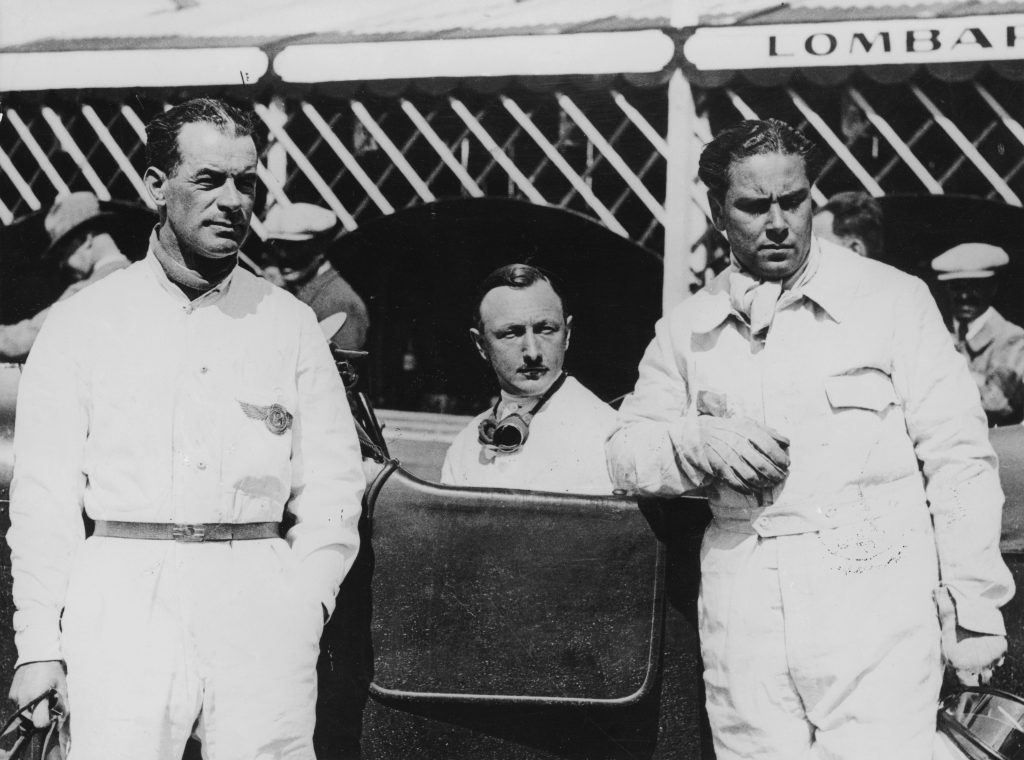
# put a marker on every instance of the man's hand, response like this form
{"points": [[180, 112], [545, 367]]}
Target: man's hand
{"points": [[32, 679], [1002, 395], [747, 455], [973, 656]]}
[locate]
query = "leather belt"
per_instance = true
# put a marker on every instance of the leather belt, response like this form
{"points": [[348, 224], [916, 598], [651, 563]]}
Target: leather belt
{"points": [[188, 532]]}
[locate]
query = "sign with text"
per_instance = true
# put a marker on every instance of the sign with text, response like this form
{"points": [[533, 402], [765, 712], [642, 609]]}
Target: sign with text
{"points": [[857, 43]]}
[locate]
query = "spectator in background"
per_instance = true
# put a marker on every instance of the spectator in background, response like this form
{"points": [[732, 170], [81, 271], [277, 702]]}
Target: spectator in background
{"points": [[993, 347], [297, 236], [546, 432], [80, 242], [853, 220]]}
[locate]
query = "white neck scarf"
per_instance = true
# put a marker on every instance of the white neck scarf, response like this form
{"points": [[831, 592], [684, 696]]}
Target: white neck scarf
{"points": [[757, 300]]}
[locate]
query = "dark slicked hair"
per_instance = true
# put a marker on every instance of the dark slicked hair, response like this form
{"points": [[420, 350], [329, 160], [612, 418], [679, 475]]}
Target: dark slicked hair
{"points": [[162, 131], [857, 214], [754, 138], [516, 276]]}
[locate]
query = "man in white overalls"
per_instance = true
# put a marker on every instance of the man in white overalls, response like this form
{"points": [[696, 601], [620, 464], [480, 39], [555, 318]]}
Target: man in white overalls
{"points": [[815, 396], [182, 404]]}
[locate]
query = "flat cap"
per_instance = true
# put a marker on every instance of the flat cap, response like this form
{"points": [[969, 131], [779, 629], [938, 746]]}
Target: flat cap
{"points": [[969, 260], [299, 221]]}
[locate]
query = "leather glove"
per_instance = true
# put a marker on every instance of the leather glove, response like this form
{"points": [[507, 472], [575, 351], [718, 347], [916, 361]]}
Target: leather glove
{"points": [[745, 454], [973, 656]]}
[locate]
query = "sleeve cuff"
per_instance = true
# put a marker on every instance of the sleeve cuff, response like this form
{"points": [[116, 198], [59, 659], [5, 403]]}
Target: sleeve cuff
{"points": [[321, 572], [37, 641], [977, 616]]}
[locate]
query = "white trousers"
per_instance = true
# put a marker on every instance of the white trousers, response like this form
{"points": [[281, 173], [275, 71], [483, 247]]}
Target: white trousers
{"points": [[163, 639], [821, 645]]}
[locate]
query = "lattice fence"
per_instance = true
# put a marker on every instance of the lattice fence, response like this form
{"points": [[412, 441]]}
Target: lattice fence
{"points": [[923, 136], [600, 152]]}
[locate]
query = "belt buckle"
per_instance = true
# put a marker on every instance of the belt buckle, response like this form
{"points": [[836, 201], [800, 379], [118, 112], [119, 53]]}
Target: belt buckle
{"points": [[189, 533]]}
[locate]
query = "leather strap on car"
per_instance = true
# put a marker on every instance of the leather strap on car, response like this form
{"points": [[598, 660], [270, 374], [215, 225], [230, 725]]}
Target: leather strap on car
{"points": [[188, 532]]}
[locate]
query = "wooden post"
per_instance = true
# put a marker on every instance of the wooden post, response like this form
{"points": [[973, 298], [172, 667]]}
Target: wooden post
{"points": [[277, 156], [682, 217]]}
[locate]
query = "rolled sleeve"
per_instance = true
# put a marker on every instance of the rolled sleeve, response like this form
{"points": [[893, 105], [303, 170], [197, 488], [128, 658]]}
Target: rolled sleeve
{"points": [[948, 428], [655, 447], [328, 481], [46, 491]]}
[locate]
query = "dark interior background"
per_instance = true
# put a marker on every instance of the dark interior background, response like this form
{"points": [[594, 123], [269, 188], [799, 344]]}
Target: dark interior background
{"points": [[920, 227], [419, 271]]}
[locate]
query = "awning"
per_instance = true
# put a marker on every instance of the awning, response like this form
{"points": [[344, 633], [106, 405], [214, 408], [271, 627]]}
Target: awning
{"points": [[182, 43], [568, 54], [888, 42], [99, 69]]}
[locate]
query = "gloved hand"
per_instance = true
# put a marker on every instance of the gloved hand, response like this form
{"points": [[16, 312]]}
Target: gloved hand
{"points": [[1001, 396], [745, 454], [973, 656]]}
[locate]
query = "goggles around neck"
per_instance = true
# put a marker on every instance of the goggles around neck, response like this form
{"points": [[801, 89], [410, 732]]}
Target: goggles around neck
{"points": [[509, 434]]}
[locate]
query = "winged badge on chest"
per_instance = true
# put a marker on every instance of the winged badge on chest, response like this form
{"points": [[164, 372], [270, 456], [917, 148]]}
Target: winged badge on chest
{"points": [[275, 417]]}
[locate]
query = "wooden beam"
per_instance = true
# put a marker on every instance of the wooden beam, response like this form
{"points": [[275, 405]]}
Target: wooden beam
{"points": [[680, 232]]}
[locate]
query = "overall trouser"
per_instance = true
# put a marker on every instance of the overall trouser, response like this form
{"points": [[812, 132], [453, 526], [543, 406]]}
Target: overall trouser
{"points": [[821, 644], [164, 640]]}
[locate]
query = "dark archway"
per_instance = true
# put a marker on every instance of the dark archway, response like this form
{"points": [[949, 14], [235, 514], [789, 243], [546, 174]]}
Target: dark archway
{"points": [[418, 271]]}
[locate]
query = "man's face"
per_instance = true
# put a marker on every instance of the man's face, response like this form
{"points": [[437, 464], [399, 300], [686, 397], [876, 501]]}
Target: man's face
{"points": [[971, 297], [766, 214], [79, 263], [293, 261], [524, 335], [209, 197]]}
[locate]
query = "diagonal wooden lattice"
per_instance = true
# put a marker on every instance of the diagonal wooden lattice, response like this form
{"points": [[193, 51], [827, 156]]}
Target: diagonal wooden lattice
{"points": [[599, 153], [913, 137], [366, 157]]}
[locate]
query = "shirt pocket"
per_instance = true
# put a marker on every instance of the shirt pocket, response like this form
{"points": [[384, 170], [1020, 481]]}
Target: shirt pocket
{"points": [[869, 389]]}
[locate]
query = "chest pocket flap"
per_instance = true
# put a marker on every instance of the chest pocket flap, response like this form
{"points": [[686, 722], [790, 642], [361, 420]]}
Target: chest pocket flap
{"points": [[867, 389]]}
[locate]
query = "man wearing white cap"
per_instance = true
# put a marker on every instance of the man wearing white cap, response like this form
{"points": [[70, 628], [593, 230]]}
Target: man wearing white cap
{"points": [[80, 240], [993, 347], [296, 237]]}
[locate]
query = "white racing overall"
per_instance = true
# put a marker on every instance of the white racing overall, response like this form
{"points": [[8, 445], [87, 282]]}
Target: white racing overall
{"points": [[138, 405], [563, 453], [818, 630]]}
